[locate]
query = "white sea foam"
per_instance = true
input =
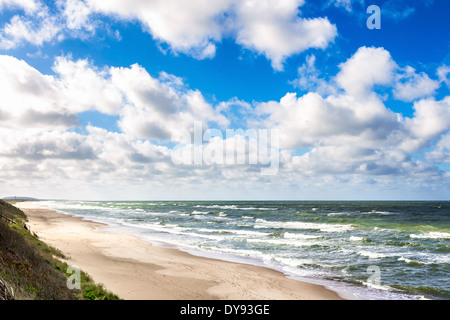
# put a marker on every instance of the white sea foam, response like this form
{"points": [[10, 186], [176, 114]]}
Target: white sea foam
{"points": [[384, 213], [216, 206], [233, 207], [284, 242], [300, 236], [372, 255], [432, 235], [261, 223], [294, 262], [377, 286], [200, 212], [331, 214], [230, 232], [249, 233], [409, 261], [156, 214]]}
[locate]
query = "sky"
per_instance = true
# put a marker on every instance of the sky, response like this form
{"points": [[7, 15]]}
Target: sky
{"points": [[225, 99]]}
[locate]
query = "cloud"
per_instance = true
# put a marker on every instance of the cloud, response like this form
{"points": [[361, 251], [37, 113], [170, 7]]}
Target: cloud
{"points": [[368, 69], [24, 29], [443, 73], [398, 9], [272, 28], [441, 152], [158, 109], [33, 99], [190, 27], [77, 14], [411, 86], [29, 6], [310, 79], [41, 134], [342, 135], [42, 23], [351, 131], [312, 119], [346, 4], [41, 144], [431, 120], [24, 90], [275, 29], [365, 69], [86, 87], [42, 140], [392, 9], [148, 107]]}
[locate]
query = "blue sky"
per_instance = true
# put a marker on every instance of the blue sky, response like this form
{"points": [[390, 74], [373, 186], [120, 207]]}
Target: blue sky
{"points": [[97, 94]]}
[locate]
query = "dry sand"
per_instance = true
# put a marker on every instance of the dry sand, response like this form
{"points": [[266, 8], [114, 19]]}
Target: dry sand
{"points": [[136, 270]]}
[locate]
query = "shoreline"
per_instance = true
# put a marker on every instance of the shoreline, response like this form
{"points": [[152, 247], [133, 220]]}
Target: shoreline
{"points": [[135, 269]]}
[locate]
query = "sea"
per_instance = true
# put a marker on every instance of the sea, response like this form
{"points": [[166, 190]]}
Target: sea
{"points": [[375, 250]]}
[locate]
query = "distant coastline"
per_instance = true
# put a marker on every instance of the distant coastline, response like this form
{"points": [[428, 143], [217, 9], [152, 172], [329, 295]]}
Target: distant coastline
{"points": [[19, 198]]}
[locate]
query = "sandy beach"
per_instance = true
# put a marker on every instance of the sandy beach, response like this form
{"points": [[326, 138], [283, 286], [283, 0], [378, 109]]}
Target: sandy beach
{"points": [[137, 270]]}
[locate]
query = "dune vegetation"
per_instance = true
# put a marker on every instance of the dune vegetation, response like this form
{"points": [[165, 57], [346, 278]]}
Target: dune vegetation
{"points": [[32, 270]]}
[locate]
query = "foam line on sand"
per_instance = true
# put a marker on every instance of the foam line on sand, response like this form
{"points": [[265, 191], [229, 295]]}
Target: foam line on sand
{"points": [[137, 270]]}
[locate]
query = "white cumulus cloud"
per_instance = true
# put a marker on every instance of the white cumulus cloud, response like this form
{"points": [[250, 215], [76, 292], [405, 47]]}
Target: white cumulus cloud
{"points": [[365, 69], [273, 28], [411, 86]]}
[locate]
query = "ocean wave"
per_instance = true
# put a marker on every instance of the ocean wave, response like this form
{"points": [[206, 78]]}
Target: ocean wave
{"points": [[376, 286], [216, 206], [299, 236], [293, 262], [199, 212], [284, 242], [412, 262], [261, 223], [331, 214], [233, 207], [244, 233], [428, 291], [432, 235], [402, 243], [75, 206], [384, 213], [151, 214], [249, 233], [362, 239], [372, 255]]}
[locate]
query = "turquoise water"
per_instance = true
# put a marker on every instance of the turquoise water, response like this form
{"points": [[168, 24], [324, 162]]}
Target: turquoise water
{"points": [[377, 250]]}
